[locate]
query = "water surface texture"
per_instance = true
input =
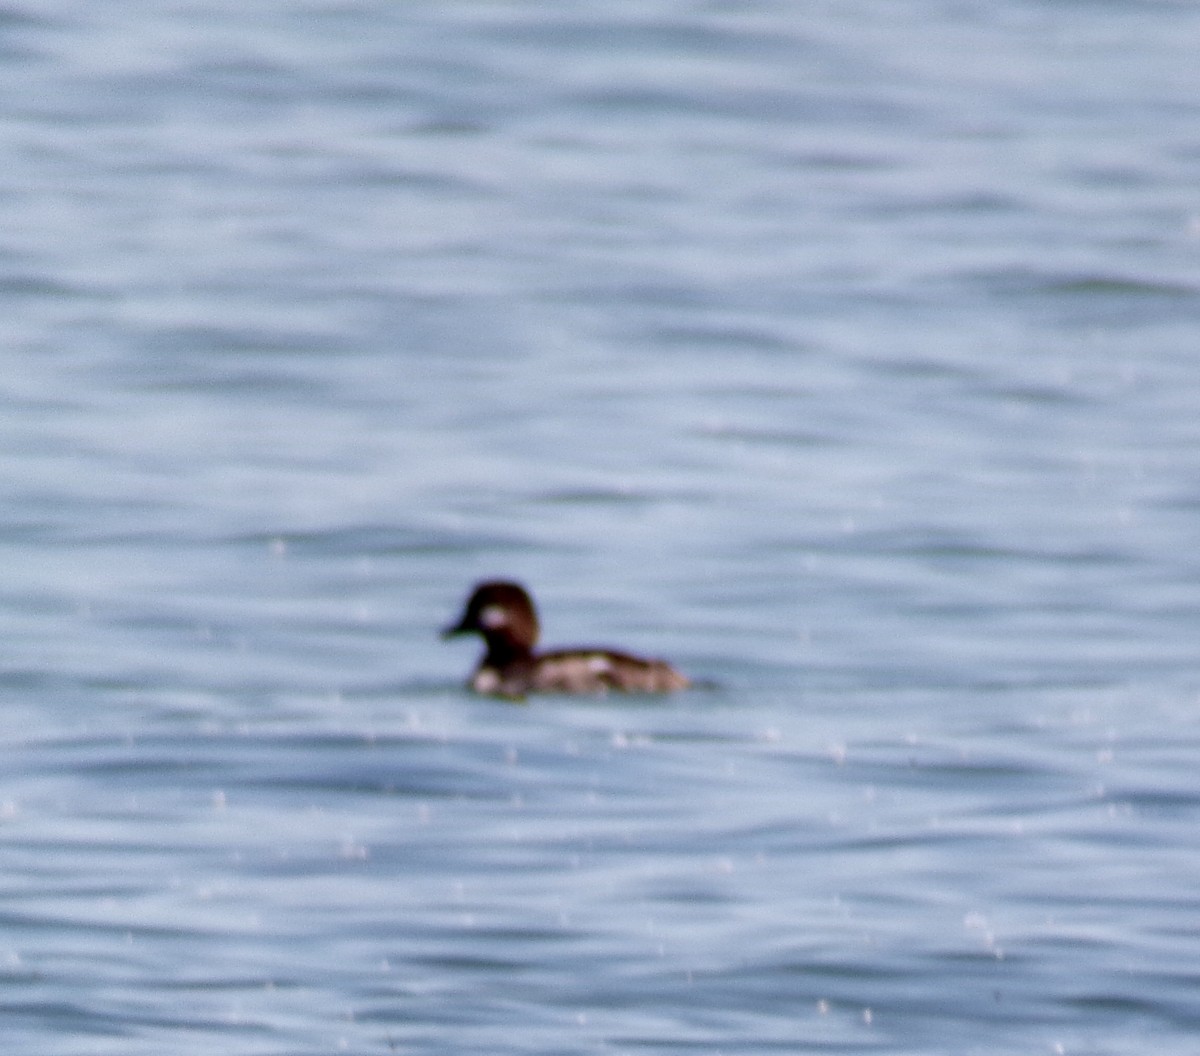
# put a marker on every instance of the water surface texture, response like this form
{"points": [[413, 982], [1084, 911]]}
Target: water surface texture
{"points": [[844, 353]]}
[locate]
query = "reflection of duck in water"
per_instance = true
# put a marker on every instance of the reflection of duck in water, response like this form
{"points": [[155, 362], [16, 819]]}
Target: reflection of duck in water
{"points": [[503, 614]]}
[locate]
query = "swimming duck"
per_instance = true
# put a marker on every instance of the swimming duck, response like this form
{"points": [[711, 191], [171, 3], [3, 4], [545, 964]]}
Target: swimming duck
{"points": [[502, 613]]}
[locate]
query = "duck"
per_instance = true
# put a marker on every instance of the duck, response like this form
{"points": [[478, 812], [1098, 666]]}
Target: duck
{"points": [[503, 614]]}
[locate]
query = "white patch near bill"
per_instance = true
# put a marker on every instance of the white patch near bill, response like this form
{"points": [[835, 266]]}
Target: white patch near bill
{"points": [[493, 616]]}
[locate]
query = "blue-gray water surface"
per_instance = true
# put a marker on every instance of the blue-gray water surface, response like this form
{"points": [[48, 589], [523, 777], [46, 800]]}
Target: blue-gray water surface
{"points": [[844, 353]]}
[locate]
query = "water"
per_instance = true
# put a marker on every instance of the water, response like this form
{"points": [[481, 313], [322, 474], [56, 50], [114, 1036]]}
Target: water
{"points": [[843, 353]]}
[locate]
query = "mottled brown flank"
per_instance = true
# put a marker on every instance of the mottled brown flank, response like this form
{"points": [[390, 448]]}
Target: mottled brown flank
{"points": [[503, 615], [596, 671]]}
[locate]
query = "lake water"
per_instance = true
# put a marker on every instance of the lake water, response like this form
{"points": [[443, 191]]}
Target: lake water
{"points": [[844, 353]]}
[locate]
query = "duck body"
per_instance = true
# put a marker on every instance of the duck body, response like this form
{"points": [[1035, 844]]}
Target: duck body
{"points": [[502, 613]]}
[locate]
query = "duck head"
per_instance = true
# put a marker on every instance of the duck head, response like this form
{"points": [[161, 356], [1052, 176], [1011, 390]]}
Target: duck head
{"points": [[502, 614]]}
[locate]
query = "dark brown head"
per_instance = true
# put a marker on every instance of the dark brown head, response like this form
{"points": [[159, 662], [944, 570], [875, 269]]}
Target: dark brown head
{"points": [[503, 614]]}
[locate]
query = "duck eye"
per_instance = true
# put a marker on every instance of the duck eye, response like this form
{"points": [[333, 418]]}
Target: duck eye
{"points": [[493, 616]]}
